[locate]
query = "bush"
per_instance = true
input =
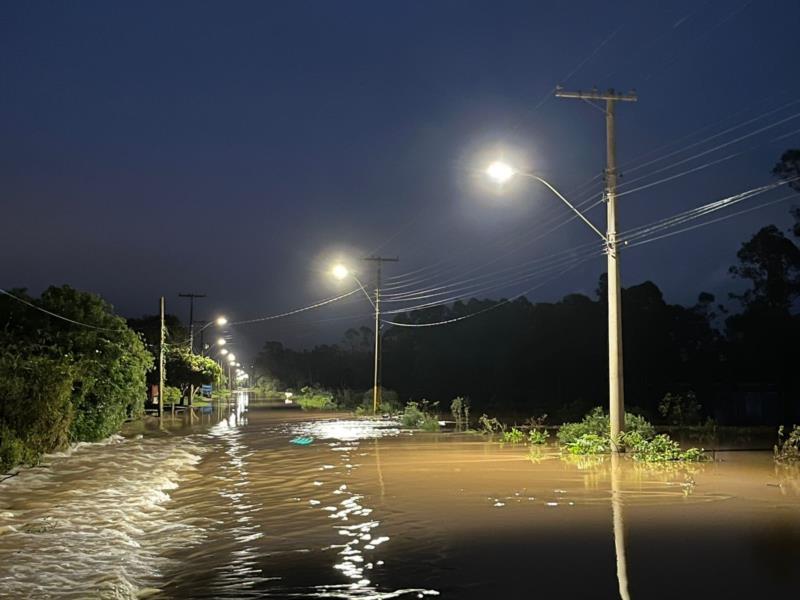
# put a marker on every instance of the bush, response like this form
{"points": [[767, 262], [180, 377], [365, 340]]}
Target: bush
{"points": [[788, 448], [661, 448], [537, 436], [315, 399], [489, 426], [589, 443], [514, 436], [596, 422], [416, 416]]}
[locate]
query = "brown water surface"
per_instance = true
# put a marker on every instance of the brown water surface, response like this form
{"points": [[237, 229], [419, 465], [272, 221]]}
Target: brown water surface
{"points": [[231, 509]]}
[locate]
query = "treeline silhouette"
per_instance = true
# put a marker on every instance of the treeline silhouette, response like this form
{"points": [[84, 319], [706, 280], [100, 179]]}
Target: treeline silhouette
{"points": [[526, 358]]}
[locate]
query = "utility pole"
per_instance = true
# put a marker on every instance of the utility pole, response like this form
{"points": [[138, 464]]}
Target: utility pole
{"points": [[191, 298], [616, 392], [376, 388], [161, 376]]}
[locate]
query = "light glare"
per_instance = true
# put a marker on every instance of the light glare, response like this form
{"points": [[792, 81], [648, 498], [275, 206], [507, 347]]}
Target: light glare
{"points": [[500, 172], [340, 271]]}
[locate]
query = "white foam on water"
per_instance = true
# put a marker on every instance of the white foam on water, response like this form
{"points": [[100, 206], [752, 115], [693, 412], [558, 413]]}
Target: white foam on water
{"points": [[96, 521]]}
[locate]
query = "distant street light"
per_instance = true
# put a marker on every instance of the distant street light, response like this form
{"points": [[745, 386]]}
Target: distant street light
{"points": [[340, 271], [221, 321], [223, 351]]}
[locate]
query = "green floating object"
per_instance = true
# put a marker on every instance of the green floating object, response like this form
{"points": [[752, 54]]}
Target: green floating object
{"points": [[302, 440]]}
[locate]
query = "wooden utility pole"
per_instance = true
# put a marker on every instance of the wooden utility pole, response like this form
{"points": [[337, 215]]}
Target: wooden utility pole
{"points": [[161, 375], [616, 393], [376, 388], [191, 297]]}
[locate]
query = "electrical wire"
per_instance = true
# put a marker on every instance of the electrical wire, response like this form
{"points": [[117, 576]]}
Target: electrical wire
{"points": [[62, 317], [297, 310]]}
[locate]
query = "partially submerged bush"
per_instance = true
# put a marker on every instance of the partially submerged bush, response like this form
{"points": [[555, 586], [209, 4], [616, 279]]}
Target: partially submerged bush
{"points": [[596, 422], [537, 436], [489, 426], [459, 408], [589, 443], [788, 448], [416, 416], [514, 436], [592, 436], [661, 448]]}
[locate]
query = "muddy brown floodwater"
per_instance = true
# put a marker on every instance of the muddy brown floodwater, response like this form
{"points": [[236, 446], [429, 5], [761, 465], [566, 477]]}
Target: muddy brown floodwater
{"points": [[230, 509]]}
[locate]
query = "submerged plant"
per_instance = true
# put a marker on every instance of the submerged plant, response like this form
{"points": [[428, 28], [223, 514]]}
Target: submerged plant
{"points": [[489, 426], [416, 416], [596, 422], [788, 448], [537, 436], [661, 448], [514, 436], [589, 443], [459, 408]]}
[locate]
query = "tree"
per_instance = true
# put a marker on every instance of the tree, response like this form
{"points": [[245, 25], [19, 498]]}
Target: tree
{"points": [[788, 169], [103, 363], [184, 369], [771, 262]]}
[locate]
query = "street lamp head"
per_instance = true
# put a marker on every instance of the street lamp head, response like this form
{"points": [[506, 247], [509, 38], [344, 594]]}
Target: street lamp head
{"points": [[231, 357], [221, 321], [339, 271], [221, 342], [500, 172], [224, 351]]}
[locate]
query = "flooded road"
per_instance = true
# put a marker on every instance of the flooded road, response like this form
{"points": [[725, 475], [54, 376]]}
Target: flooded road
{"points": [[231, 509]]}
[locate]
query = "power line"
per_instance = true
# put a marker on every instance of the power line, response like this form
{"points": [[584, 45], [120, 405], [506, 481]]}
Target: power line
{"points": [[58, 316], [297, 310]]}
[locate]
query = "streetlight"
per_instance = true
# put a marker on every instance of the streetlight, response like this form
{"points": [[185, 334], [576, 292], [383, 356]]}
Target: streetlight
{"points": [[501, 172], [340, 272], [223, 351]]}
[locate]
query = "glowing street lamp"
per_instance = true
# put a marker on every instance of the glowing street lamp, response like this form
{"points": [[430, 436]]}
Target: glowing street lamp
{"points": [[224, 351], [220, 321], [339, 271], [500, 172]]}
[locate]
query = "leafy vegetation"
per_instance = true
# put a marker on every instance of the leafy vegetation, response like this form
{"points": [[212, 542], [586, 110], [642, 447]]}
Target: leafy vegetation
{"points": [[592, 436], [513, 436], [417, 416], [537, 436], [62, 383], [660, 448], [788, 447], [314, 399], [489, 426], [459, 408], [596, 423]]}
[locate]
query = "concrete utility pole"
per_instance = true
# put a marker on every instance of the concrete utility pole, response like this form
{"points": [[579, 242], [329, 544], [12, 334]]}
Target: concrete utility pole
{"points": [[161, 376], [616, 393], [376, 388], [191, 297]]}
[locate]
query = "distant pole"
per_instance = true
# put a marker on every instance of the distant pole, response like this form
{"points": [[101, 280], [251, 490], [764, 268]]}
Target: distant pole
{"points": [[376, 387], [191, 297], [616, 392], [161, 360]]}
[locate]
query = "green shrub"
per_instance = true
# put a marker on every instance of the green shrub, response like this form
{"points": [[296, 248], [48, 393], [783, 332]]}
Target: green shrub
{"points": [[537, 436], [588, 443], [788, 448], [459, 408], [416, 416], [514, 436], [489, 426], [596, 422], [661, 448]]}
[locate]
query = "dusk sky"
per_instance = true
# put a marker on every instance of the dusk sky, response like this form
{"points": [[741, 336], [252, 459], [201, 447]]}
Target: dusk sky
{"points": [[239, 148]]}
